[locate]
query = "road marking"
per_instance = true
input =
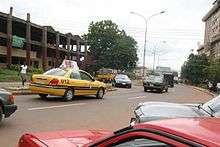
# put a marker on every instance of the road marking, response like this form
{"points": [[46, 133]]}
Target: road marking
{"points": [[132, 98], [57, 106]]}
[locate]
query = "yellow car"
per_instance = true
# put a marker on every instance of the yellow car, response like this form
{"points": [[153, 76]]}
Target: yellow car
{"points": [[67, 83]]}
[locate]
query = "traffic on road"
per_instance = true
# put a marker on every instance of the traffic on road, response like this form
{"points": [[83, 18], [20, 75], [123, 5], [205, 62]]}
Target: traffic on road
{"points": [[109, 73]]}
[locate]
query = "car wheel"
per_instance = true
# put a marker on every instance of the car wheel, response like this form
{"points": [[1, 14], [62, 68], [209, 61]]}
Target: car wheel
{"points": [[43, 96], [1, 113], [69, 94], [129, 86], [166, 90], [145, 89], [160, 90], [100, 93]]}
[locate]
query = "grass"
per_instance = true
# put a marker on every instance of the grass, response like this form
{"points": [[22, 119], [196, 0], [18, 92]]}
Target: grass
{"points": [[7, 75], [12, 75]]}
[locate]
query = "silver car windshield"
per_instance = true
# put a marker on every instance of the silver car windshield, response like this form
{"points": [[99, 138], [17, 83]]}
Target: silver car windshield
{"points": [[212, 106]]}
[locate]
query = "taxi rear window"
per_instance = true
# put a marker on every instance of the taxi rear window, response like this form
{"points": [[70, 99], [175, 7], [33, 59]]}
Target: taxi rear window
{"points": [[56, 72]]}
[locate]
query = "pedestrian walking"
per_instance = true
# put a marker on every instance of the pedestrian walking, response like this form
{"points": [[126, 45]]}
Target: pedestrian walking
{"points": [[218, 88], [23, 73], [210, 85]]}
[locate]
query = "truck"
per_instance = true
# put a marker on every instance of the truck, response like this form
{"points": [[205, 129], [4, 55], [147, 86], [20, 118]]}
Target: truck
{"points": [[169, 78], [106, 75]]}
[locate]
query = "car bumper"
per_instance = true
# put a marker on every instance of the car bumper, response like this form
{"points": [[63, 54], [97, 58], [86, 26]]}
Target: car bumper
{"points": [[44, 89], [122, 84], [154, 87], [9, 109]]}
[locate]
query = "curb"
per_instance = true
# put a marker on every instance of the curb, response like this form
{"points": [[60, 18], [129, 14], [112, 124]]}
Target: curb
{"points": [[114, 89], [31, 93], [22, 93], [205, 91]]}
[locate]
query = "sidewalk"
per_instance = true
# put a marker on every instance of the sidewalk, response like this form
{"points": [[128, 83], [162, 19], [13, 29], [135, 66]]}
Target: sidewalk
{"points": [[206, 91], [16, 88]]}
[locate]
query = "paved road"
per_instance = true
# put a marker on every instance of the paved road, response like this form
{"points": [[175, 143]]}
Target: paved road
{"points": [[113, 112]]}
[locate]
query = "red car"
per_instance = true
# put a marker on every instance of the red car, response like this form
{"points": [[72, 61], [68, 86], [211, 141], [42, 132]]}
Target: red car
{"points": [[171, 132]]}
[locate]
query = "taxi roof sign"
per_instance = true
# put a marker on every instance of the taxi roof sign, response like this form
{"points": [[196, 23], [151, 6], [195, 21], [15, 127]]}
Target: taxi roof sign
{"points": [[69, 64]]}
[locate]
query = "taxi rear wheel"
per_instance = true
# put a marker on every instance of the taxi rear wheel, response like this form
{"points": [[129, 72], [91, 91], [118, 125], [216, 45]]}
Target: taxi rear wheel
{"points": [[68, 96], [100, 93]]}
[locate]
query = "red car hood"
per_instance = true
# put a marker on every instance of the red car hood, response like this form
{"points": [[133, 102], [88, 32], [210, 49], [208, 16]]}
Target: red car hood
{"points": [[62, 138]]}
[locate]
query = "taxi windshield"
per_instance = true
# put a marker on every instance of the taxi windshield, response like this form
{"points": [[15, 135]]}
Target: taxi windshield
{"points": [[56, 72]]}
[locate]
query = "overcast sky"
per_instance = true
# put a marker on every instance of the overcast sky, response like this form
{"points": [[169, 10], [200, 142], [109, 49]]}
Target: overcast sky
{"points": [[172, 35]]}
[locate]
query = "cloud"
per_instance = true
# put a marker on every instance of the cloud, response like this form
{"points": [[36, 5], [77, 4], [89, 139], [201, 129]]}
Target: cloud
{"points": [[181, 26]]}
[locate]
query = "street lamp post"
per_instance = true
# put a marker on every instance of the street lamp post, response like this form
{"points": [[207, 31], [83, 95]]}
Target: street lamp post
{"points": [[145, 34]]}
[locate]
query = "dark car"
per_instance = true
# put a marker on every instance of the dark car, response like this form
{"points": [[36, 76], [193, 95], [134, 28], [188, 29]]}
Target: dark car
{"points": [[122, 80], [169, 78], [7, 106], [149, 111], [155, 82]]}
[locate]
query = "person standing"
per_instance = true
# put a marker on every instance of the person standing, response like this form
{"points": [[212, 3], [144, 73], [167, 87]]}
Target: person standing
{"points": [[218, 88], [23, 73], [210, 86]]}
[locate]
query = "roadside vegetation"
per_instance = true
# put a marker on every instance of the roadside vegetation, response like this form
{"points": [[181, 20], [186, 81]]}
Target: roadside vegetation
{"points": [[111, 47], [199, 70], [12, 74]]}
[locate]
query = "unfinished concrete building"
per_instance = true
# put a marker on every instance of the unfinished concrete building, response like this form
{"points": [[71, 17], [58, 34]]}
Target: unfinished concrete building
{"points": [[40, 46]]}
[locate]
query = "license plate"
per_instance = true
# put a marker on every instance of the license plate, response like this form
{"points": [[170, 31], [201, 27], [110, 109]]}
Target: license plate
{"points": [[123, 83], [151, 85]]}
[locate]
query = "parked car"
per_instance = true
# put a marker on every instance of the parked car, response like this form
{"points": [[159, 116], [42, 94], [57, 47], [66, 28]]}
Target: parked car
{"points": [[67, 83], [149, 111], [7, 106], [122, 80], [155, 82], [174, 132]]}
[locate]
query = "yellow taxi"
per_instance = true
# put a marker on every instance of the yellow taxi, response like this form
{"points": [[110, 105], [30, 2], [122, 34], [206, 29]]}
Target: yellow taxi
{"points": [[67, 83]]}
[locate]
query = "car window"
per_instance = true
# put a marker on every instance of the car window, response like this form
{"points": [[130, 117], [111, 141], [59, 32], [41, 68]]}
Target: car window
{"points": [[214, 104], [56, 72], [75, 75], [140, 142], [153, 78], [125, 77], [85, 76]]}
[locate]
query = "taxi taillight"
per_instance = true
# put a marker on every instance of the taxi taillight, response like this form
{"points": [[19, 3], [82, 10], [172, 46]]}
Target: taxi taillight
{"points": [[54, 82], [11, 99]]}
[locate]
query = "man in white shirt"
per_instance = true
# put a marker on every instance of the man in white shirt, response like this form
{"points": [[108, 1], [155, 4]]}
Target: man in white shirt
{"points": [[218, 87], [23, 73]]}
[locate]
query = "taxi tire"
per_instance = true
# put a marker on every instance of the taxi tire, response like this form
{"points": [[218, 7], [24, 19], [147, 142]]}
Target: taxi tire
{"points": [[100, 93], [66, 96], [43, 96]]}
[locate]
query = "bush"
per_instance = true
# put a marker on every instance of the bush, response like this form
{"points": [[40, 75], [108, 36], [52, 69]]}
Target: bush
{"points": [[204, 86], [36, 70]]}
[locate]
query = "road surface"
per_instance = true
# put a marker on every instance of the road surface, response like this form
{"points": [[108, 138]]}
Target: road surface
{"points": [[112, 112]]}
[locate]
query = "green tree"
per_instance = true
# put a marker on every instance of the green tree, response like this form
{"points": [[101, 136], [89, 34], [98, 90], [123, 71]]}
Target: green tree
{"points": [[194, 69], [214, 72], [111, 47]]}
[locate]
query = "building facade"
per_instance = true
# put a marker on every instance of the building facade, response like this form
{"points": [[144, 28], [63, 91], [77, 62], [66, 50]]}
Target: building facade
{"points": [[40, 46], [212, 32]]}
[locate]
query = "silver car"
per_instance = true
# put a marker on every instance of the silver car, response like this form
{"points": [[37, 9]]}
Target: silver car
{"points": [[149, 111]]}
